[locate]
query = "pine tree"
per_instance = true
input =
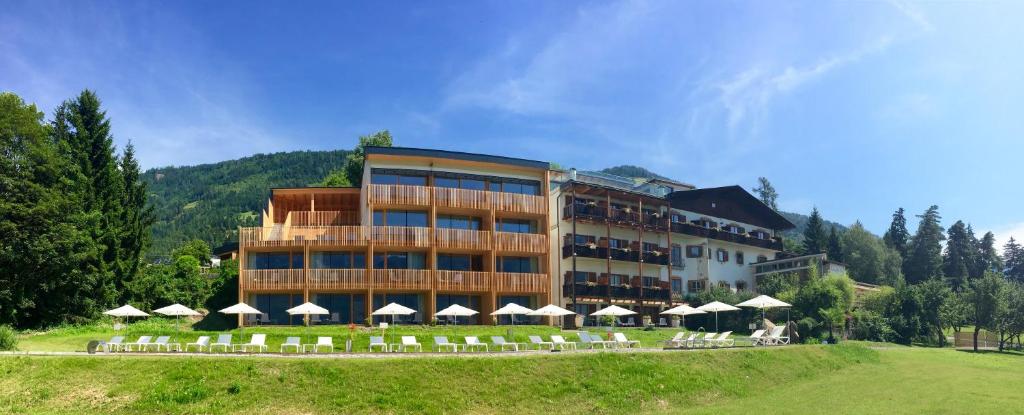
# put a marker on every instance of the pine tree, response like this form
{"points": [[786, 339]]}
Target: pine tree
{"points": [[1013, 258], [815, 240], [958, 257], [137, 218], [835, 246], [924, 259], [988, 258], [898, 236], [766, 192]]}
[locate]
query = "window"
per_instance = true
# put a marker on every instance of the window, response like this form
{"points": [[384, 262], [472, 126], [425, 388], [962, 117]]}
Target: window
{"points": [[584, 239], [741, 285], [337, 260], [650, 247], [446, 182], [377, 178], [273, 260], [761, 258], [694, 251], [739, 257], [723, 284], [517, 264], [412, 180], [722, 255], [618, 244], [456, 262], [694, 286], [618, 279], [648, 281], [408, 180], [399, 260], [677, 285], [733, 228], [677, 218], [677, 256], [515, 187], [400, 218], [472, 184], [517, 226], [584, 277], [458, 222]]}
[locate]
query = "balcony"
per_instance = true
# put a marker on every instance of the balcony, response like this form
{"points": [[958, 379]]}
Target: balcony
{"points": [[398, 195], [584, 251], [337, 279], [302, 235], [462, 239], [585, 212], [323, 218], [463, 281], [271, 279], [462, 198], [401, 236], [619, 217], [659, 257], [403, 195], [530, 243], [401, 279], [702, 232], [522, 282], [519, 203]]}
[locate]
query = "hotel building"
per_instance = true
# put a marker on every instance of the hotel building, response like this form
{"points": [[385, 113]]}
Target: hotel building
{"points": [[431, 228]]}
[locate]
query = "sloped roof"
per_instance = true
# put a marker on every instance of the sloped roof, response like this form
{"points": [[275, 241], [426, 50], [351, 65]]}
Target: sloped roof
{"points": [[729, 202]]}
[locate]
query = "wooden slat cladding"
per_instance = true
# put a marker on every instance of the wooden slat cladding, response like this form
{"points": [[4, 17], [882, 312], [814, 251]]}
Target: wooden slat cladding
{"points": [[463, 281], [300, 235], [401, 236], [521, 242], [516, 282], [462, 198], [337, 279], [324, 218], [401, 279], [462, 239], [519, 203], [271, 279], [394, 194]]}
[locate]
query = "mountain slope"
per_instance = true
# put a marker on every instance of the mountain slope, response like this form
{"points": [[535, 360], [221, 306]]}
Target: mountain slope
{"points": [[211, 201]]}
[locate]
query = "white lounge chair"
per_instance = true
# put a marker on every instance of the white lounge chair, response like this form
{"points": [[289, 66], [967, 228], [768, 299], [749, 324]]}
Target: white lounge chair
{"points": [[593, 341], [756, 337], [689, 342], [501, 344], [472, 342], [662, 322], [163, 342], [441, 343], [560, 342], [622, 341], [540, 343], [291, 343], [776, 338], [722, 340], [257, 341], [675, 340], [409, 342], [704, 341], [223, 341], [139, 344], [629, 322], [321, 342], [114, 344], [200, 343], [378, 342]]}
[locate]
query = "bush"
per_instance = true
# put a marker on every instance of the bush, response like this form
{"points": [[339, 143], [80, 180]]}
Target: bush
{"points": [[871, 326], [8, 338]]}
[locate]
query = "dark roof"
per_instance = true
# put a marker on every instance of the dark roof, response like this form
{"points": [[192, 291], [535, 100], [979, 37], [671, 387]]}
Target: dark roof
{"points": [[458, 155], [729, 202], [227, 247]]}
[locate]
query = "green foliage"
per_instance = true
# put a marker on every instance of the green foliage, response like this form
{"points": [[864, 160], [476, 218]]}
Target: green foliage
{"points": [[775, 283], [832, 293], [955, 312], [766, 192], [904, 314], [959, 258], [159, 285], [815, 239], [196, 248], [988, 298], [897, 237], [351, 173], [924, 260], [867, 259], [1010, 320], [933, 295], [1014, 261], [870, 326], [834, 246], [8, 338], [632, 171]]}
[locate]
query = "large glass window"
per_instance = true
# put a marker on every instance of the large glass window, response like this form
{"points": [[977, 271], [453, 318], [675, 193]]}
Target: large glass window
{"points": [[412, 301], [399, 260], [343, 308], [275, 308], [677, 256], [584, 239], [408, 180], [677, 285], [694, 251], [458, 222], [469, 301], [517, 225], [446, 182], [517, 264], [459, 262], [412, 218], [337, 260], [274, 260]]}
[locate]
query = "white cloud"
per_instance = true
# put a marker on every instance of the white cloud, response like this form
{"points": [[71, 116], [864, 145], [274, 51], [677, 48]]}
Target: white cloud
{"points": [[914, 14], [1004, 232]]}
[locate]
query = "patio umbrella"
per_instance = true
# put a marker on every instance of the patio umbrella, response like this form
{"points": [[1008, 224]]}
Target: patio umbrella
{"points": [[240, 309], [176, 310], [615, 311], [715, 307], [510, 310], [550, 310], [393, 309], [682, 311], [763, 302], [126, 311], [456, 311], [306, 309]]}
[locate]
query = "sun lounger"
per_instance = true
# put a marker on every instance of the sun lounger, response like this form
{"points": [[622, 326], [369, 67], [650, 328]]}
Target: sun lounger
{"points": [[321, 342], [540, 343], [722, 340], [378, 342], [223, 341], [114, 344], [257, 341], [560, 342], [200, 343], [662, 322], [629, 322], [776, 338], [622, 341], [162, 343], [689, 342], [704, 341], [675, 340], [501, 344], [291, 343], [139, 344], [756, 337], [593, 341], [472, 342], [441, 343], [409, 342]]}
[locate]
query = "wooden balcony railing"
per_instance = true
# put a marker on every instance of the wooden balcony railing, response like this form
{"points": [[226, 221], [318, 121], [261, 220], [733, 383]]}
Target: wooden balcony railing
{"points": [[261, 237], [396, 194], [401, 279], [463, 280], [404, 236], [521, 242], [271, 279], [328, 235], [324, 218], [337, 279], [521, 282], [462, 239], [462, 198], [519, 203]]}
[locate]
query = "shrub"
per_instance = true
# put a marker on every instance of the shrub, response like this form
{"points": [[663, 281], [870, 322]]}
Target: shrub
{"points": [[8, 338], [871, 326]]}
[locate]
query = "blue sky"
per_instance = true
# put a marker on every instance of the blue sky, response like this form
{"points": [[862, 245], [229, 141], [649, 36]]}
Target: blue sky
{"points": [[854, 107]]}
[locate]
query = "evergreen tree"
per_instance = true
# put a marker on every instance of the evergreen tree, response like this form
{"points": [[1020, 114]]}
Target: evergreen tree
{"points": [[988, 258], [958, 258], [815, 240], [351, 174], [925, 249], [898, 236], [835, 246], [1013, 260], [766, 192], [137, 218]]}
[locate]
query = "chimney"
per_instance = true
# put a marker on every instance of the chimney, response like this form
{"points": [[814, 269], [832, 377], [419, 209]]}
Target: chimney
{"points": [[572, 174]]}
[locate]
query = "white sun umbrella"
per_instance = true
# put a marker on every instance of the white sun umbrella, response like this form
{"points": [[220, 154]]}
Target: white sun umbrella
{"points": [[511, 310], [682, 311], [551, 310], [716, 307], [306, 309], [456, 311], [177, 310], [615, 311], [763, 302], [240, 309], [126, 311], [393, 309]]}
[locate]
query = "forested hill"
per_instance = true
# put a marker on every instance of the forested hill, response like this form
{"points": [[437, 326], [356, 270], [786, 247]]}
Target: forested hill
{"points": [[211, 201]]}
